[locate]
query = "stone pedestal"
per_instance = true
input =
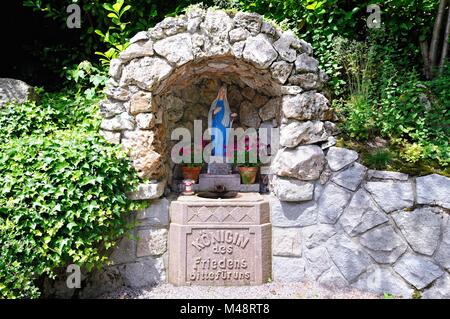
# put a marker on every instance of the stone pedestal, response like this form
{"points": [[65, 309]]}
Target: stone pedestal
{"points": [[220, 241]]}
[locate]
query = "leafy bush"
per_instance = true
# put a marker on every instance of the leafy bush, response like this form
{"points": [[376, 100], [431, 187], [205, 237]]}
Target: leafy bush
{"points": [[62, 194], [389, 101]]}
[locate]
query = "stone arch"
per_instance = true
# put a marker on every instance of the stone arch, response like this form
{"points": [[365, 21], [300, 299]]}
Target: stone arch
{"points": [[241, 49]]}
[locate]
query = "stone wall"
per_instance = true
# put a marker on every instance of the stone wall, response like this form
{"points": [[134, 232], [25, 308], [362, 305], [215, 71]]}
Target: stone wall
{"points": [[376, 231]]}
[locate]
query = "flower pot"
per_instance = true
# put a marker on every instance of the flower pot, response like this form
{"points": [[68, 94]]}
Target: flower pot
{"points": [[191, 172], [248, 174]]}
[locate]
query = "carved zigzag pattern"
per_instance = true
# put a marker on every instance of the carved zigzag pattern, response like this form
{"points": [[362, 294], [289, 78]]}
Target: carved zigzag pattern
{"points": [[219, 214]]}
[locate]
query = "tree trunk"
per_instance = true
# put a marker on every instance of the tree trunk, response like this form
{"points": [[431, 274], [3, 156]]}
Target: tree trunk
{"points": [[445, 42], [426, 59], [436, 31]]}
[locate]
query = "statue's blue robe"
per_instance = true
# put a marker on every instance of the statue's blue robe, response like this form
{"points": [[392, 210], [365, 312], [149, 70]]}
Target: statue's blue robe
{"points": [[217, 142]]}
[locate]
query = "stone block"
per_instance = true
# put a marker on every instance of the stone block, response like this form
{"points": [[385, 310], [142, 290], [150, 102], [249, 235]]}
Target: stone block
{"points": [[421, 228], [419, 271], [339, 157], [151, 242], [148, 191], [433, 189], [143, 273], [157, 214], [286, 269], [286, 242]]}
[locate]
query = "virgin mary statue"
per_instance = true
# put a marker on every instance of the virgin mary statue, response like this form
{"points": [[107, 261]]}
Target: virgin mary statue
{"points": [[219, 119]]}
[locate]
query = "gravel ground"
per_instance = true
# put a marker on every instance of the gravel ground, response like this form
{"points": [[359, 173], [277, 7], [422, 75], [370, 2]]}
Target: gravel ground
{"points": [[267, 291]]}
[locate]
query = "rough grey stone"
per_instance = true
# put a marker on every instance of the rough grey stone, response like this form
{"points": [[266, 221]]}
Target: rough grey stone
{"points": [[304, 63], [12, 90], [270, 110], [217, 25], [125, 250], [286, 242], [146, 73], [286, 269], [308, 81], [281, 71], [145, 121], [443, 253], [317, 262], [421, 228], [391, 195], [148, 191], [268, 28], [238, 49], [331, 203], [339, 157], [250, 21], [290, 190], [101, 281], [331, 141], [142, 273], [290, 90], [386, 175], [157, 214], [333, 279], [307, 106], [259, 52], [110, 109], [433, 189], [383, 244], [303, 162], [176, 49], [248, 115], [116, 93], [439, 290], [173, 25], [294, 133], [115, 68], [382, 280], [239, 34], [348, 257], [111, 137], [418, 270], [350, 177], [141, 102], [286, 214], [194, 24], [151, 242], [136, 50], [317, 235], [120, 122], [174, 107], [140, 36], [361, 215], [283, 46]]}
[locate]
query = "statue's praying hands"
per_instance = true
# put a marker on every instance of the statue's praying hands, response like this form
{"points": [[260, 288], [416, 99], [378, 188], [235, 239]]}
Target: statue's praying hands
{"points": [[216, 110]]}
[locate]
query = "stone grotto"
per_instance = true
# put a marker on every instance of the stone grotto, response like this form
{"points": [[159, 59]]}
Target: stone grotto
{"points": [[332, 220]]}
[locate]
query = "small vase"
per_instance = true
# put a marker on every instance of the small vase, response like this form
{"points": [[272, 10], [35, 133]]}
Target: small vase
{"points": [[191, 172], [248, 174]]}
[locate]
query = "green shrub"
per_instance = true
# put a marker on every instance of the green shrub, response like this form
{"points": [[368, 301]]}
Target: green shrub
{"points": [[62, 193]]}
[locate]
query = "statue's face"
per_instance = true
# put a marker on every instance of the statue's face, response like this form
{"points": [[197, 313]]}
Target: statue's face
{"points": [[222, 92]]}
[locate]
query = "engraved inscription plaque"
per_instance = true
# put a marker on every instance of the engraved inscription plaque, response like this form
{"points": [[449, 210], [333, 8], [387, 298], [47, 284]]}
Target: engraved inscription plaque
{"points": [[229, 250]]}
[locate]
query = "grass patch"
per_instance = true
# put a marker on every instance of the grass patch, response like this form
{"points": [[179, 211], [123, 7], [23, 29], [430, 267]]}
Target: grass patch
{"points": [[382, 155]]}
